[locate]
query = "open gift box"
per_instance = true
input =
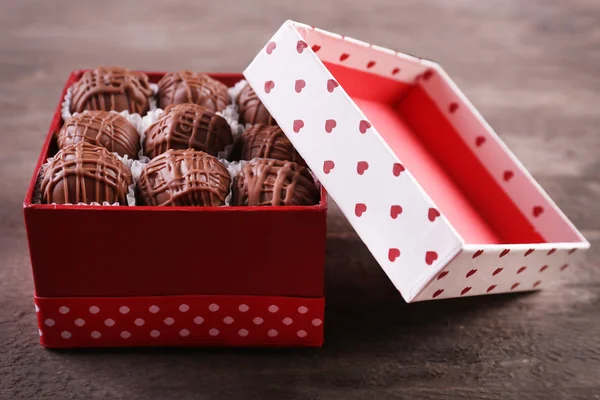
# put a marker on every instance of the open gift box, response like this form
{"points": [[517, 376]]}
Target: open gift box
{"points": [[442, 204]]}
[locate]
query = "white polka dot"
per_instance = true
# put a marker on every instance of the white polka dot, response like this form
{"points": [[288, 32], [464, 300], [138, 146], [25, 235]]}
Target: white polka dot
{"points": [[243, 332], [40, 332], [109, 322], [302, 310], [184, 332], [49, 322], [169, 321], [228, 320], [258, 320], [243, 307], [184, 308], [95, 334], [154, 309], [64, 310], [213, 307], [124, 310], [125, 335], [37, 309], [198, 320], [272, 333], [94, 310], [317, 322], [287, 321], [79, 322], [154, 333], [301, 333], [273, 308], [139, 322], [213, 332], [65, 334]]}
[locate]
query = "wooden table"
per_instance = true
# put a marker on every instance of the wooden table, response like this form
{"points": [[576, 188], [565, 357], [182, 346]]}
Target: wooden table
{"points": [[531, 67]]}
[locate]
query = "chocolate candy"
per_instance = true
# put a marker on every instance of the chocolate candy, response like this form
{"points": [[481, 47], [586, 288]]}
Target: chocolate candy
{"points": [[101, 128], [252, 110], [266, 182], [191, 87], [187, 126], [111, 88], [184, 178], [84, 173], [265, 141]]}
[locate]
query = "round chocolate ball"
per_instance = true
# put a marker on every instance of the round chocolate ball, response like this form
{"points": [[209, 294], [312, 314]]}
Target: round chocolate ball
{"points": [[111, 89], [187, 126], [101, 128], [266, 182], [252, 110], [84, 173], [265, 141], [191, 87], [184, 178]]}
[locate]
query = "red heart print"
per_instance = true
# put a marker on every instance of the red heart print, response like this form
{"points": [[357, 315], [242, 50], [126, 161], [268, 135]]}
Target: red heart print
{"points": [[438, 292], [395, 210], [344, 56], [572, 251], [521, 270], [508, 174], [363, 126], [427, 74], [514, 286], [528, 252], [269, 85], [361, 167], [371, 64], [316, 48], [393, 254], [398, 168], [301, 45], [470, 273], [497, 271], [298, 124], [552, 251], [465, 290], [270, 47], [359, 209], [395, 71], [453, 107], [432, 214], [300, 84], [537, 283], [479, 140], [537, 211], [490, 288], [442, 274], [545, 267], [564, 267], [504, 252], [329, 125], [332, 84], [430, 257], [477, 253], [328, 165]]}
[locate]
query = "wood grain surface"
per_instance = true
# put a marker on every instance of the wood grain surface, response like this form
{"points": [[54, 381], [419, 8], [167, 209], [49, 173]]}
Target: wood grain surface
{"points": [[531, 67]]}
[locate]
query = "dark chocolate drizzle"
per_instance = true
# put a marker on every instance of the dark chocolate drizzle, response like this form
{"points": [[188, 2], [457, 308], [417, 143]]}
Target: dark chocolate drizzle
{"points": [[252, 110], [264, 141], [191, 87]]}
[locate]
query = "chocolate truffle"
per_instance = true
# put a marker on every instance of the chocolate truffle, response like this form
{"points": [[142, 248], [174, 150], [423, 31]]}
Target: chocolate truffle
{"points": [[101, 128], [265, 182], [184, 178], [187, 126], [252, 110], [191, 87], [84, 173], [265, 141], [111, 89]]}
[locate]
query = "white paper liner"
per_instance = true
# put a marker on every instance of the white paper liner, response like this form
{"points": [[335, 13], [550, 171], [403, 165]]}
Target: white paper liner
{"points": [[234, 168]]}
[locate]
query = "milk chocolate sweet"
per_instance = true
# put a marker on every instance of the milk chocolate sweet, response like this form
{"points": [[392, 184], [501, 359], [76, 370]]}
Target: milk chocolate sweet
{"points": [[184, 178], [266, 182], [84, 173], [192, 87], [111, 89], [265, 141], [101, 128], [252, 110], [187, 126]]}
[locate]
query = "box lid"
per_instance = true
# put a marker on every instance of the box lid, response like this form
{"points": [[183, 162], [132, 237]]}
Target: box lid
{"points": [[391, 209]]}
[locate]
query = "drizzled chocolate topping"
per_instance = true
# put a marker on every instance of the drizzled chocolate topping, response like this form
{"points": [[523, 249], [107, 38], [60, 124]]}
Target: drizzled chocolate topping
{"points": [[252, 110], [184, 178], [84, 173], [187, 126], [101, 128], [111, 88], [264, 141], [265, 182], [191, 87]]}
